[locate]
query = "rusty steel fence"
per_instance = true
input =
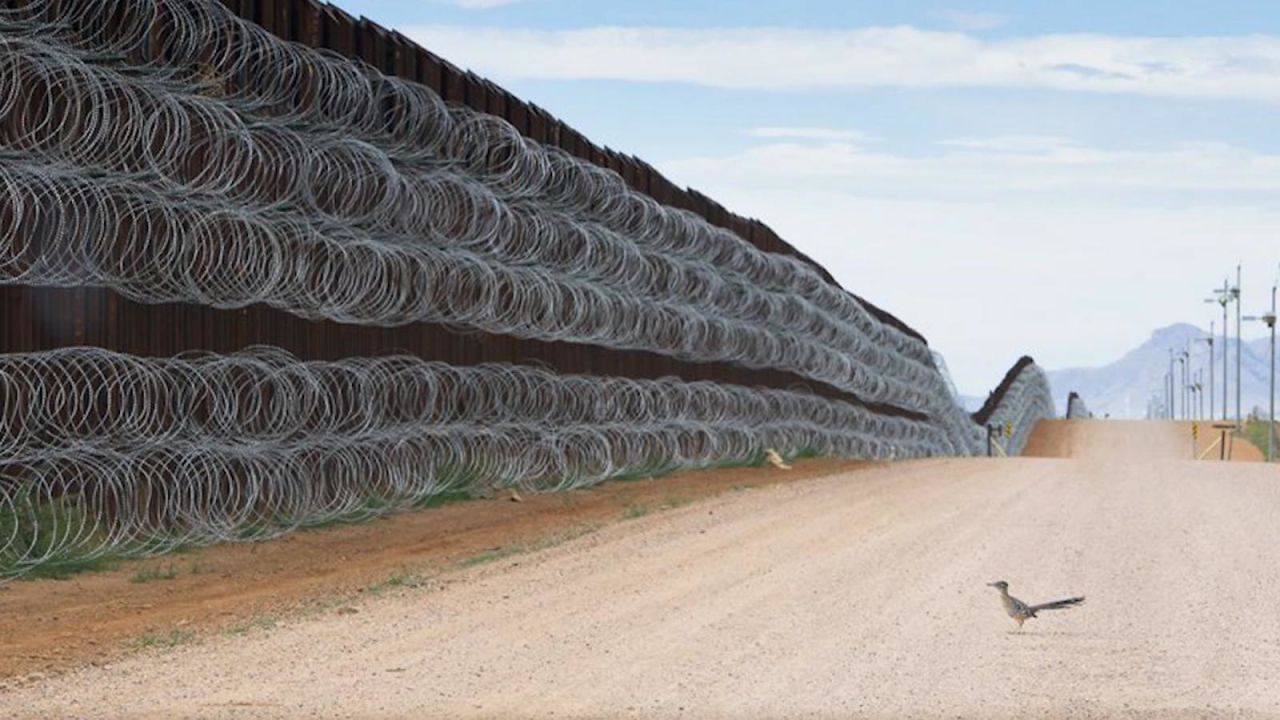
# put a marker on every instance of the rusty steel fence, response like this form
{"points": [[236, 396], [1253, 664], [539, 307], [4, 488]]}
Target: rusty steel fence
{"points": [[263, 265]]}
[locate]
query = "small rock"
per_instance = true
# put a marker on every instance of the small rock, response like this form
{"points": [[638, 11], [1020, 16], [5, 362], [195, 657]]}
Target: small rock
{"points": [[515, 496], [347, 611]]}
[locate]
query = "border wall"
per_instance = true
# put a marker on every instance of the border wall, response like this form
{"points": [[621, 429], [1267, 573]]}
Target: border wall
{"points": [[264, 265]]}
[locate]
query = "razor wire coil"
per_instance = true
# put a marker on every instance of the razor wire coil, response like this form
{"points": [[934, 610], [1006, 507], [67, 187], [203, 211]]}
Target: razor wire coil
{"points": [[106, 452], [179, 153]]}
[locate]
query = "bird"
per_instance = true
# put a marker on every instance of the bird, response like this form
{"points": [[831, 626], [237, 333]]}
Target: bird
{"points": [[775, 459], [1020, 611]]}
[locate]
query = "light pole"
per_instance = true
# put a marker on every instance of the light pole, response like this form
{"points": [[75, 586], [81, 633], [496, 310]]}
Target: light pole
{"points": [[1173, 409], [1200, 394], [1195, 399], [1182, 384], [1209, 340], [1186, 381], [1270, 320], [1224, 298], [1235, 295]]}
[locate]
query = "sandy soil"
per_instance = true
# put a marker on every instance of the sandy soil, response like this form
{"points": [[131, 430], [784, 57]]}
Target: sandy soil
{"points": [[50, 625], [858, 594]]}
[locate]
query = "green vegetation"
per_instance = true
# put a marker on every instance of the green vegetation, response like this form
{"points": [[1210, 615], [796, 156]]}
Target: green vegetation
{"points": [[69, 567], [755, 459], [1255, 431], [261, 622], [399, 580], [545, 543], [34, 529], [656, 468], [325, 603], [446, 498], [648, 470], [671, 502], [632, 509], [489, 556], [151, 574], [172, 638]]}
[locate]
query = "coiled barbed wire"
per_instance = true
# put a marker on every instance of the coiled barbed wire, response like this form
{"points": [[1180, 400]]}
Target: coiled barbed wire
{"points": [[65, 228], [554, 244], [206, 46], [1027, 401], [227, 167], [106, 452], [1076, 408]]}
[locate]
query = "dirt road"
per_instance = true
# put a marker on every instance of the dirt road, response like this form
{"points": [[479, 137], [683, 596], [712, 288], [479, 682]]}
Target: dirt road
{"points": [[48, 626], [860, 594]]}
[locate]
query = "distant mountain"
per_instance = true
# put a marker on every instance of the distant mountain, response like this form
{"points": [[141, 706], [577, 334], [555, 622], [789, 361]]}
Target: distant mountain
{"points": [[1123, 388]]}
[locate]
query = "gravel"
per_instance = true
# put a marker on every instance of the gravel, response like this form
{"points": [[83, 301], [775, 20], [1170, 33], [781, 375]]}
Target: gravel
{"points": [[859, 595]]}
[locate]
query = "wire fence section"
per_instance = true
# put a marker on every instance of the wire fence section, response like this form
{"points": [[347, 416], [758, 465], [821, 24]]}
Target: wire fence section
{"points": [[1076, 407], [251, 284]]}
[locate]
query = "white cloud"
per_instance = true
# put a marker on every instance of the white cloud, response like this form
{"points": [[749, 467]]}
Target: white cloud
{"points": [[972, 21], [994, 247], [1011, 143], [813, 133], [997, 167], [777, 58]]}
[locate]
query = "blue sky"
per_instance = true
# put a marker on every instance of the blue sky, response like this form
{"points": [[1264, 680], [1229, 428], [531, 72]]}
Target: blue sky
{"points": [[1057, 178]]}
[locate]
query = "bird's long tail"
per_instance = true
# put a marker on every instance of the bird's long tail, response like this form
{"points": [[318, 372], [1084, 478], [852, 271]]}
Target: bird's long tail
{"points": [[1058, 604]]}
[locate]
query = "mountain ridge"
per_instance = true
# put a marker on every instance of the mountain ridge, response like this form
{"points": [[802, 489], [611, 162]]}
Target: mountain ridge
{"points": [[1123, 388]]}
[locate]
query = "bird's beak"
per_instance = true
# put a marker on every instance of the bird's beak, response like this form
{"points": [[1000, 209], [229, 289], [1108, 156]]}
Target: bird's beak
{"points": [[991, 584]]}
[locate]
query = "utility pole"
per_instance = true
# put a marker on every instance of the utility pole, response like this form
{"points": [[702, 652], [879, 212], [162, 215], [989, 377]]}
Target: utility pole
{"points": [[1223, 298], [1186, 384], [1200, 391], [1173, 409], [1210, 341], [1270, 320], [1191, 390], [1200, 394], [1182, 382], [1271, 419], [1239, 341]]}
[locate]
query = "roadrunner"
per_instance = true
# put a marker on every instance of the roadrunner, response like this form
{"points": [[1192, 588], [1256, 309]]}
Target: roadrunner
{"points": [[1020, 611]]}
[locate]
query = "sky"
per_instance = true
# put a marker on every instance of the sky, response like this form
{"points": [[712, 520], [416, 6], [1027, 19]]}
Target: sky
{"points": [[1052, 178]]}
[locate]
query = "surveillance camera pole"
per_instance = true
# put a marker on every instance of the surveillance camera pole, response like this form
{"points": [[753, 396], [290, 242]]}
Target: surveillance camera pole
{"points": [[1223, 298]]}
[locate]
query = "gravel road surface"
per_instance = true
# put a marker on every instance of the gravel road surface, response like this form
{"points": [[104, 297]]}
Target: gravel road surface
{"points": [[857, 595]]}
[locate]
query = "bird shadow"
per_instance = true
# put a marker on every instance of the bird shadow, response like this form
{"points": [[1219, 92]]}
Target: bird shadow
{"points": [[1049, 633]]}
